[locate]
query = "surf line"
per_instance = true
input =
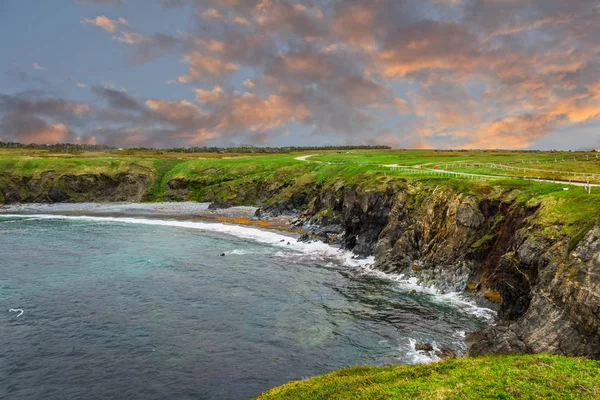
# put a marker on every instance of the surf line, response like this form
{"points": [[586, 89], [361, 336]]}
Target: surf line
{"points": [[20, 311]]}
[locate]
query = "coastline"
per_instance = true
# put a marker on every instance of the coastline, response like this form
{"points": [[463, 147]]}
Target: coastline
{"points": [[236, 215]]}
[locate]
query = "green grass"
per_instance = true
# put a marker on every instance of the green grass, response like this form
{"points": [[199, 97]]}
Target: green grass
{"points": [[499, 377], [213, 175]]}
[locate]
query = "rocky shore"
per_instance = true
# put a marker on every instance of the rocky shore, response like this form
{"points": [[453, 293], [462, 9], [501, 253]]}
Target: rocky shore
{"points": [[489, 244]]}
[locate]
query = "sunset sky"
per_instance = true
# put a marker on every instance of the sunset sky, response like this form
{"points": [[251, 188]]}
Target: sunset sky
{"points": [[405, 73]]}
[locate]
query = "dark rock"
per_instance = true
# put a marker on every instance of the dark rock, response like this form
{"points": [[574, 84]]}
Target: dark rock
{"points": [[424, 346], [445, 354], [305, 238], [57, 196], [219, 204], [495, 340], [468, 214]]}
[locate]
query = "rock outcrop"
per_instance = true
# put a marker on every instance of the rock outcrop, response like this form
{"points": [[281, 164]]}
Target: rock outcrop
{"points": [[52, 187]]}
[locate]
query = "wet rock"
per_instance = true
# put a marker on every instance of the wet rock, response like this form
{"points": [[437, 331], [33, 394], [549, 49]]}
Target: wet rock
{"points": [[305, 239], [424, 346], [493, 297]]}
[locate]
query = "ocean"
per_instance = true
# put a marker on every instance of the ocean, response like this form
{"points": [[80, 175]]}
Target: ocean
{"points": [[126, 301]]}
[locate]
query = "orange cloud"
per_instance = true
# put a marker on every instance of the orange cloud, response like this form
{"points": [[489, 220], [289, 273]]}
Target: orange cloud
{"points": [[56, 133], [356, 26], [201, 66], [176, 111], [209, 96], [259, 114], [216, 46], [109, 25]]}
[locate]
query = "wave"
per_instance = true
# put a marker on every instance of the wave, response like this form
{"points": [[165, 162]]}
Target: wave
{"points": [[239, 252], [413, 356], [275, 239], [454, 299]]}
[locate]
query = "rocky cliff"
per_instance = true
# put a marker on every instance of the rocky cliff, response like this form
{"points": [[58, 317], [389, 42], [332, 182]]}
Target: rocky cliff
{"points": [[52, 187], [546, 283]]}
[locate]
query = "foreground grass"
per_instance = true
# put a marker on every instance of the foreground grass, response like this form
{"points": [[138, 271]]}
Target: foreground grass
{"points": [[499, 377]]}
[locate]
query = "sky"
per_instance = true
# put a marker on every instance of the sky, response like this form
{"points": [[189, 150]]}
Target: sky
{"points": [[510, 74]]}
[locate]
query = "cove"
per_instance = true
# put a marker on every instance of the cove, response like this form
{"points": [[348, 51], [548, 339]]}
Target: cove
{"points": [[131, 307]]}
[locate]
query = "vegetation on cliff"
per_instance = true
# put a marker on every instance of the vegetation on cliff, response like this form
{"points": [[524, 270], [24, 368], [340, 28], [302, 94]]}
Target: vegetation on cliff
{"points": [[498, 377]]}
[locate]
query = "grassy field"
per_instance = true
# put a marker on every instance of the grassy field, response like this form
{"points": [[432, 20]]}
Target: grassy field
{"points": [[500, 377], [223, 173], [581, 167]]}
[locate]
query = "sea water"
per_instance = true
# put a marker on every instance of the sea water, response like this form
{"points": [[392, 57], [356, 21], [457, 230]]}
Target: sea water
{"points": [[124, 302]]}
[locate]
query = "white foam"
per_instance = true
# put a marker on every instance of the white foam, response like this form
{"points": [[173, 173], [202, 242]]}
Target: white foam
{"points": [[238, 252], [414, 356], [317, 249], [17, 310], [455, 299]]}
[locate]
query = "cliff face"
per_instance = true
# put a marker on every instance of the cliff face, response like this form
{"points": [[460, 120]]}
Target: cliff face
{"points": [[52, 187], [489, 245]]}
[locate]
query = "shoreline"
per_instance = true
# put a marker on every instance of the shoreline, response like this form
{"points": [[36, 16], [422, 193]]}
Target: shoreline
{"points": [[181, 211]]}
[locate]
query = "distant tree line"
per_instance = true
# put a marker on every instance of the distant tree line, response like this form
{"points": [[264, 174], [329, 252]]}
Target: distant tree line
{"points": [[75, 148], [263, 150], [55, 148]]}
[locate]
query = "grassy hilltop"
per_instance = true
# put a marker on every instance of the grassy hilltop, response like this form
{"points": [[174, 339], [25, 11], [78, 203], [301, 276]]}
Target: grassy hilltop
{"points": [[223, 175]]}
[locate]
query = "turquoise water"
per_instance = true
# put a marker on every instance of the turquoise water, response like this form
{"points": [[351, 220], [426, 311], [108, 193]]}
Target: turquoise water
{"points": [[136, 308]]}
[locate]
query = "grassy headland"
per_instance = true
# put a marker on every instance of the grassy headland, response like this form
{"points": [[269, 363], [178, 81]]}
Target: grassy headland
{"points": [[500, 377]]}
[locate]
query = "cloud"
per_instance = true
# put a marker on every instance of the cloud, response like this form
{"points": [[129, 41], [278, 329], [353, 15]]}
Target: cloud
{"points": [[39, 67], [53, 133], [131, 38], [36, 117], [176, 111], [209, 96], [109, 25], [204, 66], [100, 2]]}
